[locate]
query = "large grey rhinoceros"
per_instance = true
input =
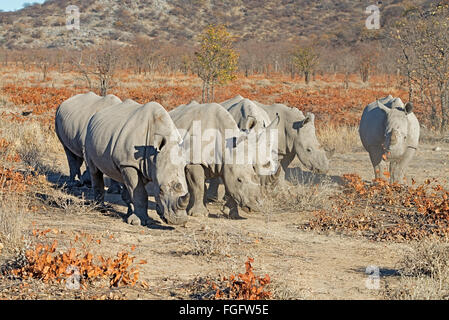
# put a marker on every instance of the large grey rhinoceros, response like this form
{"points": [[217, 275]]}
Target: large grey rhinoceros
{"points": [[71, 121], [389, 131], [215, 144], [135, 144], [296, 135]]}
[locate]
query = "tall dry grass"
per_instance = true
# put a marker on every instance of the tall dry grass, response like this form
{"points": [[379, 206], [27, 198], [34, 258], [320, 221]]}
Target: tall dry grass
{"points": [[343, 139], [37, 145], [13, 221]]}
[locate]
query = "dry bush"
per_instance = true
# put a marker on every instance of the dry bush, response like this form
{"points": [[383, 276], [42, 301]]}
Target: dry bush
{"points": [[382, 211], [33, 142], [209, 244], [424, 271], [244, 286], [308, 193], [343, 138]]}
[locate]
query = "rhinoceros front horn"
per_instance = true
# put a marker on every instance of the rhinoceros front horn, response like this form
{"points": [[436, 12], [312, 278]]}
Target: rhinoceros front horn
{"points": [[183, 202]]}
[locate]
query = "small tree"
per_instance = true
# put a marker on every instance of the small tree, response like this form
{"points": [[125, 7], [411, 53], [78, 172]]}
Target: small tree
{"points": [[424, 40], [106, 61], [216, 59], [367, 56], [304, 61]]}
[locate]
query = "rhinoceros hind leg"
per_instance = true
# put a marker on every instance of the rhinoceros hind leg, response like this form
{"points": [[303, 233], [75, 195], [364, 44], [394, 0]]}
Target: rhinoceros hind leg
{"points": [[231, 209], [212, 190], [75, 164], [196, 183], [115, 187], [85, 178], [138, 197]]}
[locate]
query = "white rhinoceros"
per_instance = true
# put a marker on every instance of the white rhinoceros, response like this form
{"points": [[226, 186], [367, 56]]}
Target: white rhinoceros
{"points": [[71, 121], [135, 144], [389, 131], [215, 145], [296, 134]]}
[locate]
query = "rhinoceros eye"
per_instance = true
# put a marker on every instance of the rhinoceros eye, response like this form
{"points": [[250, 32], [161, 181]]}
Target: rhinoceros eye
{"points": [[309, 149]]}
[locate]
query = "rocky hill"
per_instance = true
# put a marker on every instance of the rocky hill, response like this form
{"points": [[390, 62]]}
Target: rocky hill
{"points": [[178, 21]]}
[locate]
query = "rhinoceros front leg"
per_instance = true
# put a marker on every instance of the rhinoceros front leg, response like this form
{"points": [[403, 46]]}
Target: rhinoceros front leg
{"points": [[196, 182], [75, 164], [397, 168], [379, 164], [136, 196]]}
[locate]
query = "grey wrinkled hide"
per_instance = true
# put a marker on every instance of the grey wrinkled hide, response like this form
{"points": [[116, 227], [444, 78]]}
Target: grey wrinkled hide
{"points": [[389, 131], [135, 144], [248, 117], [240, 180], [296, 136], [71, 121]]}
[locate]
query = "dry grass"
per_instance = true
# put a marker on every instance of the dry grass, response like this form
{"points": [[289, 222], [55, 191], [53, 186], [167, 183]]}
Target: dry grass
{"points": [[308, 193], [13, 222], [343, 139], [424, 273], [36, 144]]}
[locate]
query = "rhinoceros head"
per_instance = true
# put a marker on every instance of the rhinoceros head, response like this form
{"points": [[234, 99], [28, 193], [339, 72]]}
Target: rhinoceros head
{"points": [[307, 147], [240, 179], [170, 181], [396, 128]]}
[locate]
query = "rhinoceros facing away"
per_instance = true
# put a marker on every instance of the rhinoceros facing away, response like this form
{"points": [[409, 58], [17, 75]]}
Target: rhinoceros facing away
{"points": [[135, 144], [71, 121], [389, 131], [214, 139], [296, 134]]}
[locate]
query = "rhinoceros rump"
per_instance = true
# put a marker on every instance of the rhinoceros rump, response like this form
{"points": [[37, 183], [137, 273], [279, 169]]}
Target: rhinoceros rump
{"points": [[135, 144]]}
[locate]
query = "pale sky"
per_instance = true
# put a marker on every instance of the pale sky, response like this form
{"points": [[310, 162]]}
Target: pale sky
{"points": [[11, 5]]}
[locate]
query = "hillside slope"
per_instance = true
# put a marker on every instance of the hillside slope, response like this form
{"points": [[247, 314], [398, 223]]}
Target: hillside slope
{"points": [[338, 22]]}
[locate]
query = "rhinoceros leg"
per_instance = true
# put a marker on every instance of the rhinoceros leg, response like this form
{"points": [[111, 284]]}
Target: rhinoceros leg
{"points": [[97, 183], [212, 191], [231, 208], [379, 164], [138, 197], [285, 162], [75, 164], [397, 168], [196, 182], [115, 187]]}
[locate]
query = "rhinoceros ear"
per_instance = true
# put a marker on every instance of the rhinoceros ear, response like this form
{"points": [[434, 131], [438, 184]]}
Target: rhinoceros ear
{"points": [[251, 123], [381, 106], [274, 123], [408, 108], [310, 117], [159, 142]]}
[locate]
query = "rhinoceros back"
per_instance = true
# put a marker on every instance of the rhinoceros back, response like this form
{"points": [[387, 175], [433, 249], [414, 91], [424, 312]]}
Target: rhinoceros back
{"points": [[121, 135], [73, 115]]}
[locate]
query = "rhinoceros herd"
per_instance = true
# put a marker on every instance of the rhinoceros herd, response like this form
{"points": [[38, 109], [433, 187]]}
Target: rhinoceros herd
{"points": [[241, 143]]}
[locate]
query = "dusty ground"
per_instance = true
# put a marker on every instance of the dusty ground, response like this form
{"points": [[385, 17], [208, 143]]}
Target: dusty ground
{"points": [[302, 264]]}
